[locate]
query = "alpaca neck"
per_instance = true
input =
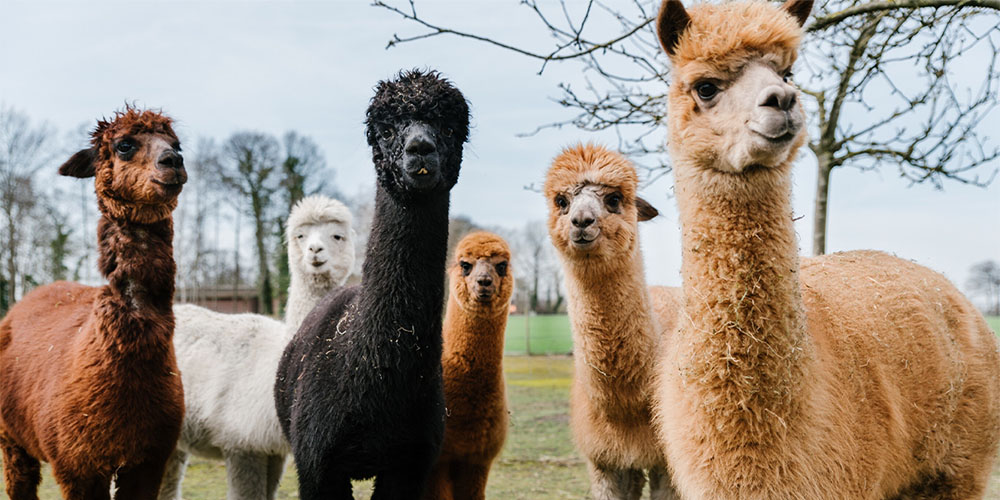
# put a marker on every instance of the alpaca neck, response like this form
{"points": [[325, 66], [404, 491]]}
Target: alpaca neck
{"points": [[477, 337], [403, 274], [305, 291], [742, 334], [138, 262], [615, 352]]}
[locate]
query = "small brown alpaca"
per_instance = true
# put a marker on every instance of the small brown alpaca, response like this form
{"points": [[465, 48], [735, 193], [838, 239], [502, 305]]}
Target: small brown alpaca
{"points": [[90, 382], [472, 360], [854, 376], [593, 222]]}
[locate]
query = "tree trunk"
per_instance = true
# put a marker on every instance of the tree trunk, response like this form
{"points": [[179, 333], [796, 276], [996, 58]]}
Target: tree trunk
{"points": [[822, 193], [264, 285]]}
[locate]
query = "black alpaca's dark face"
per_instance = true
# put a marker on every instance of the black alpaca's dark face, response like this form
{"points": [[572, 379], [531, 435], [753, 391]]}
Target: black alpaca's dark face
{"points": [[416, 151], [417, 125]]}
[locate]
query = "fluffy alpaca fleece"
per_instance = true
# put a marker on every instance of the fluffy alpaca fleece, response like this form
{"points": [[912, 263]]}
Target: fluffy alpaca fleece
{"points": [[90, 382], [228, 361], [615, 333], [359, 389], [858, 375], [472, 361]]}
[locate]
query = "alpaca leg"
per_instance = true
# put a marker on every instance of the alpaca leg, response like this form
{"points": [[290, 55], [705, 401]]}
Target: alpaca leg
{"points": [[170, 488], [317, 485], [468, 480], [21, 471], [661, 487], [246, 476], [609, 483], [140, 482], [90, 488], [275, 468], [405, 481], [439, 483]]}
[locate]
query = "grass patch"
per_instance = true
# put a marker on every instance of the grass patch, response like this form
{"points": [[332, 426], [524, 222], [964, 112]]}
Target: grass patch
{"points": [[547, 334], [994, 322]]}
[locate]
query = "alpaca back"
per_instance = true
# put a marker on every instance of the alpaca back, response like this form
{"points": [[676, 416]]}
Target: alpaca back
{"points": [[227, 364], [911, 360]]}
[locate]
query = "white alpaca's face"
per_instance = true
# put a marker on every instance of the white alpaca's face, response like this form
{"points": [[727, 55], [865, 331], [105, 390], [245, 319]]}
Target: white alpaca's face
{"points": [[326, 248]]}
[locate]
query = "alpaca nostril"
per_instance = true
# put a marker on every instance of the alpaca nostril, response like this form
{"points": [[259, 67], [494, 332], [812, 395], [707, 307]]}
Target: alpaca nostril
{"points": [[780, 98], [315, 248], [582, 221], [170, 159], [420, 146]]}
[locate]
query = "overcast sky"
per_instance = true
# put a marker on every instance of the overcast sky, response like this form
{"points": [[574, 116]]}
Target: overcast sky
{"points": [[218, 67]]}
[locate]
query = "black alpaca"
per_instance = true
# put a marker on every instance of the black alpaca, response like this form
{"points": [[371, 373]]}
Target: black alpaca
{"points": [[358, 390]]}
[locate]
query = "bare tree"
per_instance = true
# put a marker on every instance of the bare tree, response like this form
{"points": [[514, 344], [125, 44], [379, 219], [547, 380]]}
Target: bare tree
{"points": [[200, 202], [880, 75], [24, 149], [984, 280], [249, 170]]}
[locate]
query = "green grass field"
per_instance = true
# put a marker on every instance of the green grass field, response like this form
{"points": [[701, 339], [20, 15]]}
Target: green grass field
{"points": [[546, 334], [538, 461]]}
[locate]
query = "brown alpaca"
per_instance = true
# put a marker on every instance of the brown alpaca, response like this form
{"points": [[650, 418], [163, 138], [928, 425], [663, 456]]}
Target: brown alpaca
{"points": [[476, 417], [593, 222], [90, 383], [858, 375]]}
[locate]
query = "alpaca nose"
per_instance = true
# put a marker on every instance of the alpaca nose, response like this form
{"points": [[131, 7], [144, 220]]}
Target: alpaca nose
{"points": [[582, 220], [315, 247], [419, 142], [484, 280], [170, 159], [780, 97]]}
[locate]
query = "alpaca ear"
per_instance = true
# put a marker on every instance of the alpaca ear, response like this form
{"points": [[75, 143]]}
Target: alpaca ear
{"points": [[671, 23], [799, 9], [644, 210], [80, 164]]}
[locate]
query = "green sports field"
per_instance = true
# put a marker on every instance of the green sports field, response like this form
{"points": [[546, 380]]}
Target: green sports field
{"points": [[545, 334]]}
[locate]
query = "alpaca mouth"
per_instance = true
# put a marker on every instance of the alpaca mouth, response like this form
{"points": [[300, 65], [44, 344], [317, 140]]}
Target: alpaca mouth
{"points": [[318, 263], [484, 295]]}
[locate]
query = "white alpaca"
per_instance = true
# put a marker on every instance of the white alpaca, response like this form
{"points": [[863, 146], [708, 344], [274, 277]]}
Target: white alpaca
{"points": [[228, 361]]}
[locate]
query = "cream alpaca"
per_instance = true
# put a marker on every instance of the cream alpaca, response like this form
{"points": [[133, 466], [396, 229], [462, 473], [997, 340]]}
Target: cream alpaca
{"points": [[858, 376], [228, 361], [593, 216]]}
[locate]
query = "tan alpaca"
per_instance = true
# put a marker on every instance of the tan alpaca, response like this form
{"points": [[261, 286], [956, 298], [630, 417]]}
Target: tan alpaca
{"points": [[593, 217], [858, 375], [472, 362]]}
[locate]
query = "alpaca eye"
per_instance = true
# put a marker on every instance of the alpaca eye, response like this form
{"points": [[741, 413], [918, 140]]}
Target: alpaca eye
{"points": [[466, 268], [387, 133], [613, 201], [125, 146], [502, 269], [787, 77], [300, 236], [561, 202], [448, 131], [338, 237], [706, 90]]}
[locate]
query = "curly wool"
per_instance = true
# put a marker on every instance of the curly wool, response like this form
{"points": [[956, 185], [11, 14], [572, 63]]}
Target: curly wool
{"points": [[418, 96], [131, 121]]}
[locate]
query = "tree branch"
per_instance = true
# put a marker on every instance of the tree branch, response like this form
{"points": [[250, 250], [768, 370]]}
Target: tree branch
{"points": [[824, 22]]}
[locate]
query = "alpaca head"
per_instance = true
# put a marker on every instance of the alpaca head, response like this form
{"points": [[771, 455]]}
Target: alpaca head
{"points": [[416, 127], [136, 161], [321, 240], [732, 105], [593, 206], [481, 277]]}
